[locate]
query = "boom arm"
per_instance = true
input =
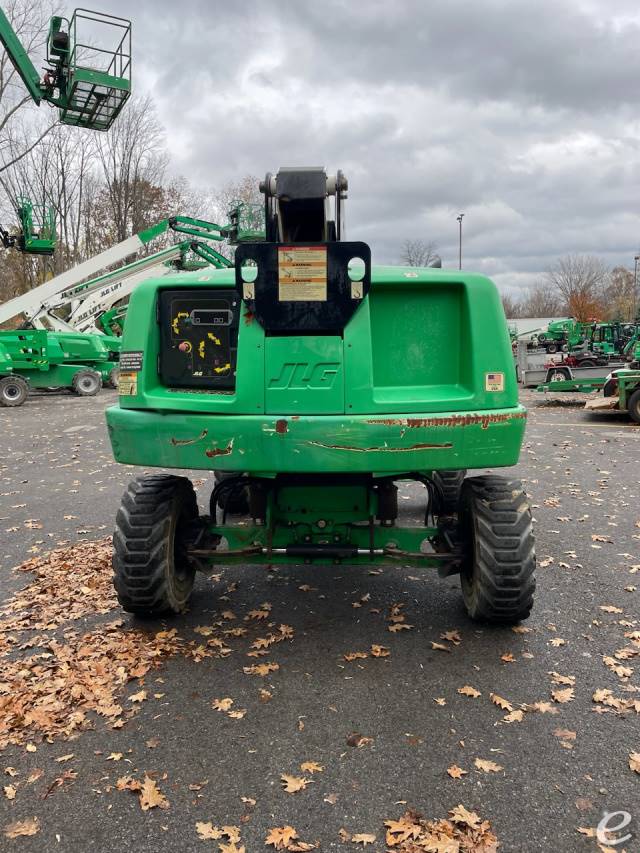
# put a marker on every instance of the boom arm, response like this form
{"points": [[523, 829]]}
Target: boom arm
{"points": [[20, 59]]}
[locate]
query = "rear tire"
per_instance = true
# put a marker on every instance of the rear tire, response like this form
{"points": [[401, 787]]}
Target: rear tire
{"points": [[587, 362], [114, 376], [152, 573], [551, 348], [86, 383], [14, 391], [498, 574], [450, 483], [634, 406]]}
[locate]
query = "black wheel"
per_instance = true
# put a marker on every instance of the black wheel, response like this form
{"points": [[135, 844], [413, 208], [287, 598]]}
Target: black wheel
{"points": [[86, 383], [498, 574], [152, 573], [551, 348], [14, 391], [234, 500], [450, 483], [610, 387], [634, 406], [114, 376], [558, 375], [587, 362], [565, 347]]}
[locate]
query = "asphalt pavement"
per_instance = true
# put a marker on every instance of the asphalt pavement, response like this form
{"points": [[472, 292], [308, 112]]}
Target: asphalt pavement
{"points": [[387, 730]]}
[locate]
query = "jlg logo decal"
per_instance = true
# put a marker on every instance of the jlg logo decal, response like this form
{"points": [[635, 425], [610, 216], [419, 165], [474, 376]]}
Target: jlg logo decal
{"points": [[305, 375]]}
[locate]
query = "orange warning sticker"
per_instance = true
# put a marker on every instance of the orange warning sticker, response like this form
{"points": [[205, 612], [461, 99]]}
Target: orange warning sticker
{"points": [[302, 273]]}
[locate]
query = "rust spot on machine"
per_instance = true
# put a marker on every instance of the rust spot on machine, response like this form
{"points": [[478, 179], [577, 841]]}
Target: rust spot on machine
{"points": [[353, 449], [183, 442], [456, 421], [282, 427], [213, 452]]}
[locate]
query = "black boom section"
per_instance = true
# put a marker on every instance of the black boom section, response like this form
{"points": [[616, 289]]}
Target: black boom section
{"points": [[198, 337], [303, 287]]}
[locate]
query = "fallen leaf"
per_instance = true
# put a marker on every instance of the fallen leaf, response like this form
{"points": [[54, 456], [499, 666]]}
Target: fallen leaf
{"points": [[357, 740], [31, 826], [151, 796], [10, 792], [311, 767], [563, 696], [456, 772], [207, 831], [500, 702], [467, 690], [351, 656], [487, 766], [261, 669], [138, 697], [222, 704], [439, 647], [380, 651], [292, 784], [363, 838], [634, 761], [281, 836]]}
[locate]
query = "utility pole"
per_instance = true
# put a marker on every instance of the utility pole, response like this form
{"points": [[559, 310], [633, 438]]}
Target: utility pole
{"points": [[635, 289], [459, 220]]}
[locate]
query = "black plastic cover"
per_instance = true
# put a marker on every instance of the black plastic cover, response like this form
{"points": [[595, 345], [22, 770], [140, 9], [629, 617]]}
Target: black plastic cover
{"points": [[291, 295]]}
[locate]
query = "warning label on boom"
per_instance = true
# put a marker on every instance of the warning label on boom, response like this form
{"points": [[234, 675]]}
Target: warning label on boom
{"points": [[302, 273]]}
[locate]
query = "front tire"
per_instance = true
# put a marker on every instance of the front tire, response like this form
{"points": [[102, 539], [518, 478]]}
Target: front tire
{"points": [[14, 391], [498, 574], [152, 572], [86, 383]]}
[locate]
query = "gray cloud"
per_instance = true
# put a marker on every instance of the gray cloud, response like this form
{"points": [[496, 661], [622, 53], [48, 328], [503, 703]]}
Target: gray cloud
{"points": [[522, 113]]}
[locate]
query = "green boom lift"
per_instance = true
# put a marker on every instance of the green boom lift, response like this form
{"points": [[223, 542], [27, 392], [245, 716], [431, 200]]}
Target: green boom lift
{"points": [[87, 77], [312, 383], [88, 74]]}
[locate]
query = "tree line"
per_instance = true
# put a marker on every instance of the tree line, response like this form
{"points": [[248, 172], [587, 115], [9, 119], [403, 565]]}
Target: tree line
{"points": [[579, 286]]}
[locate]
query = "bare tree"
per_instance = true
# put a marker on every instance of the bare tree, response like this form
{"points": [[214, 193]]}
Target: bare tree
{"points": [[543, 300], [621, 295], [132, 156], [581, 280], [512, 306], [18, 137], [418, 253]]}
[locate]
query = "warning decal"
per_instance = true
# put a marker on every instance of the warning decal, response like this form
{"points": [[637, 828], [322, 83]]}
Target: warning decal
{"points": [[302, 273], [128, 384]]}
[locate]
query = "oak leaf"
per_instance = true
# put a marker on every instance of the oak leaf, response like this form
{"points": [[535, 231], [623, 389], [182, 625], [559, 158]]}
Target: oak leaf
{"points": [[311, 767], [281, 836], [487, 766], [563, 696], [379, 651], [467, 690], [293, 784], [222, 704], [207, 831], [363, 838], [456, 772], [31, 826], [151, 796], [500, 702]]}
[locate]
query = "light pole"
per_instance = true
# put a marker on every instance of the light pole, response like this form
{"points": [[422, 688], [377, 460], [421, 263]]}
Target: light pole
{"points": [[459, 220], [635, 288]]}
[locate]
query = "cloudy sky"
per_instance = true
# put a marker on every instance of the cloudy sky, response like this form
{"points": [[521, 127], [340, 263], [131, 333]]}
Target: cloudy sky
{"points": [[523, 114]]}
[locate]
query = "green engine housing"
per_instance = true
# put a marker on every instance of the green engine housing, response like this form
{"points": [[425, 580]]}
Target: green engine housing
{"points": [[420, 378]]}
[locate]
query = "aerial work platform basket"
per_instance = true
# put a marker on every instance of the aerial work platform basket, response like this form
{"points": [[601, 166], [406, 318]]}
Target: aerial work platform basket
{"points": [[94, 55], [37, 227]]}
